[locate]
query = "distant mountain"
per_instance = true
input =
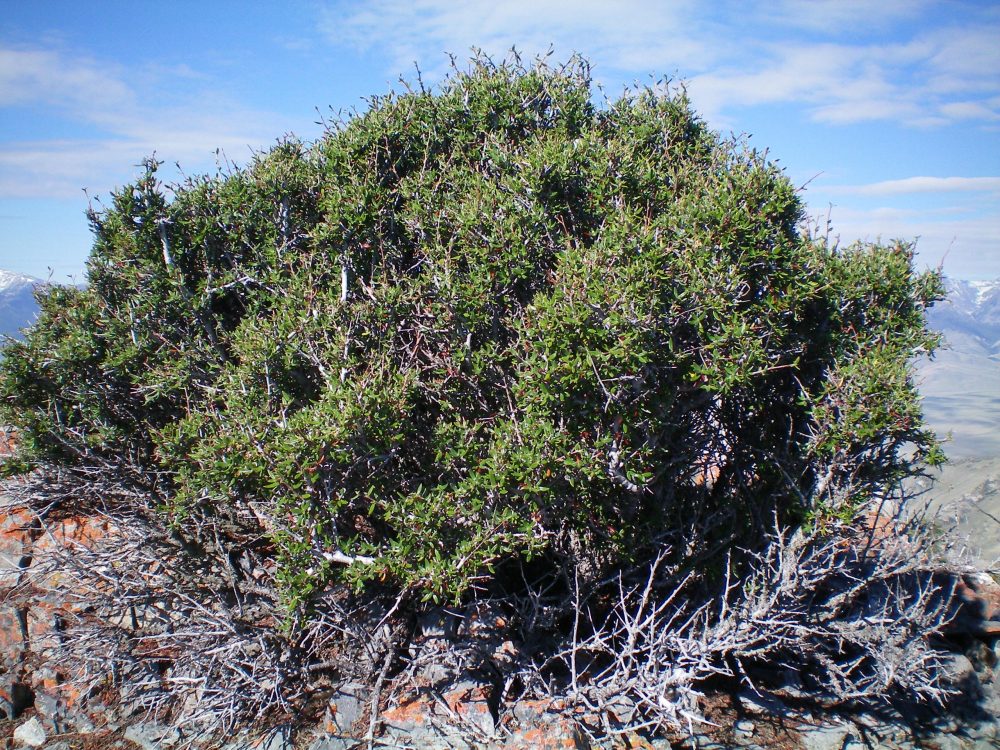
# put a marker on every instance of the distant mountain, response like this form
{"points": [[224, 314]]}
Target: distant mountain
{"points": [[17, 302], [961, 389], [961, 385], [970, 316]]}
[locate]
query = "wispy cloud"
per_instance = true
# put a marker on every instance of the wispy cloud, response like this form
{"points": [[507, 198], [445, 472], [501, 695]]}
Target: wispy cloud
{"points": [[920, 82], [964, 243], [170, 117], [626, 35], [911, 185], [735, 55], [837, 16], [42, 76]]}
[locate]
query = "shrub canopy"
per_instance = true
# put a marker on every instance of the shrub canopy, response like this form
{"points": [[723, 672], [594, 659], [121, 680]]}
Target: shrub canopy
{"points": [[481, 325]]}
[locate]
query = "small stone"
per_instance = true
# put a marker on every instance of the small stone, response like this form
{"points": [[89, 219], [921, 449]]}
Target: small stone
{"points": [[30, 733], [948, 726], [987, 629], [764, 705], [982, 656], [280, 739], [987, 733], [959, 670], [470, 699], [791, 685], [437, 674], [744, 727], [347, 706], [697, 742], [948, 742], [333, 743], [439, 623], [528, 712], [153, 736], [826, 737], [409, 716], [49, 707]]}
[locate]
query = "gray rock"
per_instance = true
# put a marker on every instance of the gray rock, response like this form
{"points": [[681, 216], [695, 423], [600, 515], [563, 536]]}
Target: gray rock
{"points": [[526, 713], [279, 738], [763, 705], [958, 669], [700, 742], [988, 733], [960, 672], [983, 659], [439, 622], [835, 737], [744, 727], [347, 706], [951, 742], [153, 736], [6, 709], [21, 696], [50, 710], [333, 743], [30, 733], [476, 707], [437, 674]]}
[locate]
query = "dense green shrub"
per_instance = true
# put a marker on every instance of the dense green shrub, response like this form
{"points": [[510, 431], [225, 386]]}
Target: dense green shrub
{"points": [[477, 326]]}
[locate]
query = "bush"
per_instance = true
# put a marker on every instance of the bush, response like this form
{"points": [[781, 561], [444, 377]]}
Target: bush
{"points": [[477, 331]]}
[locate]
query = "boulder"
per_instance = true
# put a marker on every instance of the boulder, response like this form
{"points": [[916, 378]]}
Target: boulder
{"points": [[30, 733]]}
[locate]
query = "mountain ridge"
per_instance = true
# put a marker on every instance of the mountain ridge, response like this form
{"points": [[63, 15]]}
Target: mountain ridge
{"points": [[970, 315], [17, 302]]}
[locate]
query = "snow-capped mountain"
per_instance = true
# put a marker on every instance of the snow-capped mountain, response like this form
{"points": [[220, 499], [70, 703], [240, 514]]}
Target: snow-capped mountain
{"points": [[961, 385], [17, 302], [970, 316]]}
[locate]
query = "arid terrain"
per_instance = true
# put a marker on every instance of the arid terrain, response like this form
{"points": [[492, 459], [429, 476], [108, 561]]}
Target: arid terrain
{"points": [[961, 388]]}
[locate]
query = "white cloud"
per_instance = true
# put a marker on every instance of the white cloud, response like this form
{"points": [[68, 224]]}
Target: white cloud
{"points": [[967, 58], [971, 111], [919, 82], [734, 54], [628, 35], [811, 74], [30, 76], [966, 245], [832, 16], [910, 185], [129, 127]]}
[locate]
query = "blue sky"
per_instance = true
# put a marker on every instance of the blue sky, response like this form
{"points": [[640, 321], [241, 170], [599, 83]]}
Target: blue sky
{"points": [[887, 112]]}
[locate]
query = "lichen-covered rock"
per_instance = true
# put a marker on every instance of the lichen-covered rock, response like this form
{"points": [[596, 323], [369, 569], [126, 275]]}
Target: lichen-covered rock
{"points": [[34, 612]]}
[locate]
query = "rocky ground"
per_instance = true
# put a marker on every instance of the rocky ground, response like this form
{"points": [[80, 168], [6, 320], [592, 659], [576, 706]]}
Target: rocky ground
{"points": [[42, 710]]}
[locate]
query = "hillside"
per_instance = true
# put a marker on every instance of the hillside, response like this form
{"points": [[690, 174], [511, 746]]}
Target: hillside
{"points": [[961, 389], [961, 386]]}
